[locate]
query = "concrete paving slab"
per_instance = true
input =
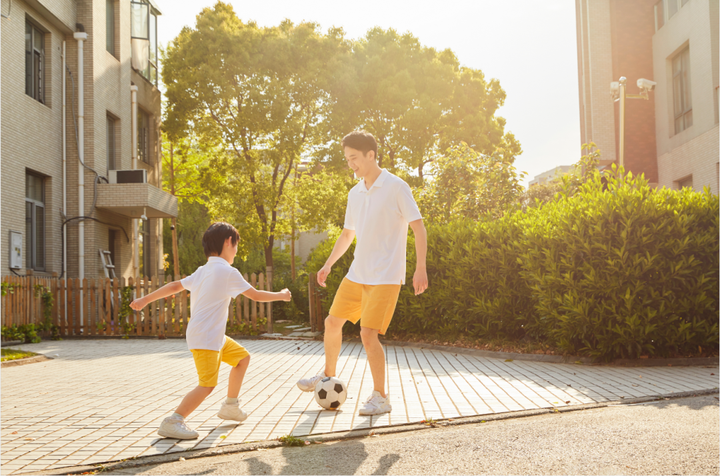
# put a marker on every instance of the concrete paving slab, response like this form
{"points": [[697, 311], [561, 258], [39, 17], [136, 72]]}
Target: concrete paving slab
{"points": [[102, 400]]}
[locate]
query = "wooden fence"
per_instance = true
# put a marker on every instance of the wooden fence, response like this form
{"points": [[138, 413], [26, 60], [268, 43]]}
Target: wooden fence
{"points": [[100, 307], [317, 318]]}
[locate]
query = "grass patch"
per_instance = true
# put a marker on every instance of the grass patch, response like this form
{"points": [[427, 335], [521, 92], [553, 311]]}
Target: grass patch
{"points": [[289, 440], [14, 354]]}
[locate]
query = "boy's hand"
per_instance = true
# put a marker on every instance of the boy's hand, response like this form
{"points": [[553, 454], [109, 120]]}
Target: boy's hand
{"points": [[138, 304], [322, 275], [286, 295], [420, 280]]}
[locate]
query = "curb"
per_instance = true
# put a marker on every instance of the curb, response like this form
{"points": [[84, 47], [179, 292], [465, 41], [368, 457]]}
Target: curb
{"points": [[328, 437], [26, 360]]}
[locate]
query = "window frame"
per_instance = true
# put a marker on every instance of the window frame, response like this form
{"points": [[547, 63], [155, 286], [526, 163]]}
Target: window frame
{"points": [[682, 84], [110, 27], [32, 236], [111, 143], [35, 63], [150, 71], [143, 136]]}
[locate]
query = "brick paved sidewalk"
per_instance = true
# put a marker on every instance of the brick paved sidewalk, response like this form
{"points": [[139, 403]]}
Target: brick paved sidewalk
{"points": [[102, 400]]}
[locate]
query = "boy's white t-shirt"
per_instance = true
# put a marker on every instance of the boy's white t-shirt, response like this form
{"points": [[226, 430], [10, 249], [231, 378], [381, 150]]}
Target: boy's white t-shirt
{"points": [[380, 218], [211, 287]]}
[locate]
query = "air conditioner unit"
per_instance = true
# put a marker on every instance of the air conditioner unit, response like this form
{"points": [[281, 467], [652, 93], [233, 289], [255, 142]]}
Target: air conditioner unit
{"points": [[128, 176]]}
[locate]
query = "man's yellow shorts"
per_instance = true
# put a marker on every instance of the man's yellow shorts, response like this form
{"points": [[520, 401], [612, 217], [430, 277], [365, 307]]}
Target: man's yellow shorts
{"points": [[372, 305], [207, 362]]}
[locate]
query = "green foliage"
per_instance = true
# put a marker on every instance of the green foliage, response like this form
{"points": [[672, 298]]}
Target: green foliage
{"points": [[26, 333], [615, 269], [193, 219], [467, 184], [290, 440], [14, 354], [126, 297], [48, 300]]}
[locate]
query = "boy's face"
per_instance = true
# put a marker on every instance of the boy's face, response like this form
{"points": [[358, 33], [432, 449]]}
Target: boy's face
{"points": [[359, 163]]}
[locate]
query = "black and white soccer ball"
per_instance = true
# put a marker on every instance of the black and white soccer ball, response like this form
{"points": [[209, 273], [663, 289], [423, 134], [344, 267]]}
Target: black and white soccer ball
{"points": [[330, 393]]}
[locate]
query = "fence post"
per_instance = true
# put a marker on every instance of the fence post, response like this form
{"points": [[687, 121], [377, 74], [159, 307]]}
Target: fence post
{"points": [[269, 284], [311, 301]]}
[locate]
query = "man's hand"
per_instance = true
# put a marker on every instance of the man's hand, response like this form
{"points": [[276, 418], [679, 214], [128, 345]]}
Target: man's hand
{"points": [[138, 304], [286, 295], [420, 280], [323, 274]]}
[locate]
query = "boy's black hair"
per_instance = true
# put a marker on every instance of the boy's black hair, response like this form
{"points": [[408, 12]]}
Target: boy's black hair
{"points": [[215, 236], [362, 141]]}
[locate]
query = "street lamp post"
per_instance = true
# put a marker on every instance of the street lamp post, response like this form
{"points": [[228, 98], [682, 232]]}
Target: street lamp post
{"points": [[618, 91]]}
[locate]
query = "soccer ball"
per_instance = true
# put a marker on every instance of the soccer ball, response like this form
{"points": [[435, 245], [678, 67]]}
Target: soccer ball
{"points": [[330, 393]]}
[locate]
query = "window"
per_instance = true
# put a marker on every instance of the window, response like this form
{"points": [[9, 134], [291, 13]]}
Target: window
{"points": [[659, 14], [34, 62], [143, 125], [144, 248], [672, 7], [34, 222], [144, 39], [111, 165], [110, 26], [682, 99], [686, 182]]}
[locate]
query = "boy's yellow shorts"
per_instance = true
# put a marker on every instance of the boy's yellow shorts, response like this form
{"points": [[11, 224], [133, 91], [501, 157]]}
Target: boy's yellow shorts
{"points": [[207, 362], [371, 304]]}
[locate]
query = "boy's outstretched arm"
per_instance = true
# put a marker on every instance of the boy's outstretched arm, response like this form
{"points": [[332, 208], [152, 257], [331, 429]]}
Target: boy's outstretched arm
{"points": [[165, 291], [267, 296], [420, 279]]}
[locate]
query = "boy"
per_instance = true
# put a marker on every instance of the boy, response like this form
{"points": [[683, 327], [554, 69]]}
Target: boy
{"points": [[379, 209], [211, 287]]}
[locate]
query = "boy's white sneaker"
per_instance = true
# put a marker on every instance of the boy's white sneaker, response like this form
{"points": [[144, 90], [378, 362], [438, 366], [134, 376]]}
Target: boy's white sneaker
{"points": [[177, 429], [376, 405], [232, 411], [308, 384]]}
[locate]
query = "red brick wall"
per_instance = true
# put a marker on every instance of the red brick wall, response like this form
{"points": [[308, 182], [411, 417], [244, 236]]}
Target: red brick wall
{"points": [[632, 29]]}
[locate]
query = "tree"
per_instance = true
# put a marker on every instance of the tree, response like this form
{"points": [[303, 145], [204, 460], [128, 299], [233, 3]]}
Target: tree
{"points": [[258, 93], [468, 184], [417, 102]]}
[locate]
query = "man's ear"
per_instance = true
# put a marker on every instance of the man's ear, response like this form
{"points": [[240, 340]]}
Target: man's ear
{"points": [[372, 154]]}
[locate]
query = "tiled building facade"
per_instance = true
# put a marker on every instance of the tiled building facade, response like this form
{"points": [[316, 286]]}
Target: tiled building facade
{"points": [[37, 40], [672, 137]]}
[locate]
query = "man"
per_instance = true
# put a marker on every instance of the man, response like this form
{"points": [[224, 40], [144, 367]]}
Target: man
{"points": [[378, 212]]}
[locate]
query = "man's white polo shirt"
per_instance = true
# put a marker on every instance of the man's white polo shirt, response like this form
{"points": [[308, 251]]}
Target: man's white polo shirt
{"points": [[211, 287], [380, 218]]}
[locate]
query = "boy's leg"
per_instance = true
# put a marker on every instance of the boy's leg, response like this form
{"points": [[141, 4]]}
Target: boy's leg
{"points": [[375, 357], [237, 374], [193, 400]]}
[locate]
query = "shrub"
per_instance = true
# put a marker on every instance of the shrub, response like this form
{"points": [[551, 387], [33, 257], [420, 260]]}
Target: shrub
{"points": [[612, 269]]}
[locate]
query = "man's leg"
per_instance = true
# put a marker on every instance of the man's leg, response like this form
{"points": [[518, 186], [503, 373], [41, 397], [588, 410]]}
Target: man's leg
{"points": [[375, 357], [333, 343], [237, 374]]}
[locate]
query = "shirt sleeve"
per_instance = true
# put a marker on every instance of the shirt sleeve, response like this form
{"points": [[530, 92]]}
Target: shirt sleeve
{"points": [[189, 281], [406, 203], [349, 219], [237, 284]]}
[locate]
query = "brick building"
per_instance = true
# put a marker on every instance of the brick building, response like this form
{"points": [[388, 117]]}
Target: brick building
{"points": [[673, 136], [105, 109]]}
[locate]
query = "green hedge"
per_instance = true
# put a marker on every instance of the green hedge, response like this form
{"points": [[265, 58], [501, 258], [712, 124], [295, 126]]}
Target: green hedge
{"points": [[618, 270]]}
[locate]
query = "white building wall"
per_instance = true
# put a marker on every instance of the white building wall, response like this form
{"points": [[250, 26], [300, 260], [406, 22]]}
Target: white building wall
{"points": [[693, 151]]}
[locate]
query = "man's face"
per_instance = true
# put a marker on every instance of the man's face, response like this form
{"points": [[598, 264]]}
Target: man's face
{"points": [[359, 163]]}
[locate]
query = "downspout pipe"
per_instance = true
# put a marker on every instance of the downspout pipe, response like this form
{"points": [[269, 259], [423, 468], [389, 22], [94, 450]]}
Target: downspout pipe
{"points": [[81, 37], [134, 132], [64, 160]]}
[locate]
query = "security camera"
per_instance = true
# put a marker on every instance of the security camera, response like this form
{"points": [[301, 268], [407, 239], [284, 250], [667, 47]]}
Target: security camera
{"points": [[143, 217], [646, 84]]}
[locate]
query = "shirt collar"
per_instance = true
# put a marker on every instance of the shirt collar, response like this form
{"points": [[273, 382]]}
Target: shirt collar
{"points": [[217, 259], [378, 181]]}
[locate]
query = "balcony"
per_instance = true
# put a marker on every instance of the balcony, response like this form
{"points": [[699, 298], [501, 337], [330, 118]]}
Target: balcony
{"points": [[132, 200]]}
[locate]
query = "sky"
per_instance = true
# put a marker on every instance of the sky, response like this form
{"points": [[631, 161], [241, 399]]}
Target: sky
{"points": [[528, 45]]}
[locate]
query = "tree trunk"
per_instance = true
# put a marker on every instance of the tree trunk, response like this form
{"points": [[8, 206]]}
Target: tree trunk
{"points": [[176, 258], [292, 232]]}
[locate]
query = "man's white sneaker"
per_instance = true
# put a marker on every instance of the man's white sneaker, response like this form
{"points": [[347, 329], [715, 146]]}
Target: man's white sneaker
{"points": [[177, 429], [232, 411], [308, 384], [376, 405]]}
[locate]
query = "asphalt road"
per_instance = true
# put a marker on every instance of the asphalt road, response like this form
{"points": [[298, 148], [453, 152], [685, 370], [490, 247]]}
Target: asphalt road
{"points": [[678, 436]]}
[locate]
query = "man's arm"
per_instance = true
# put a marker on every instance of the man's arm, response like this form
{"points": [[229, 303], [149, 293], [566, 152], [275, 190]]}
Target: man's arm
{"points": [[165, 291], [420, 279], [341, 246]]}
